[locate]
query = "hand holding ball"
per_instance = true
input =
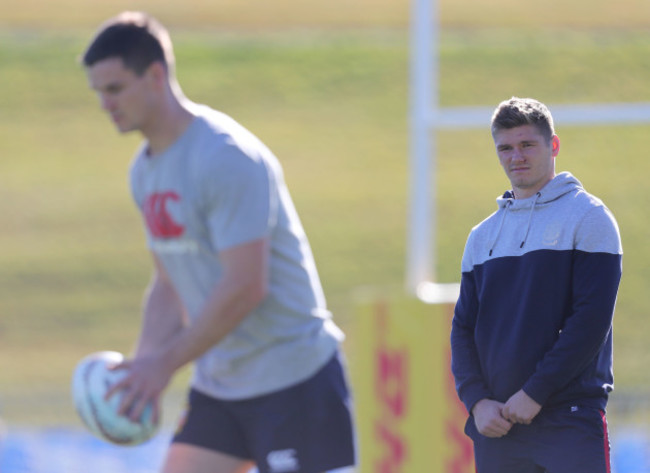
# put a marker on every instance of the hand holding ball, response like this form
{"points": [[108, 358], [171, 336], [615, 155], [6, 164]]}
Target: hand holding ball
{"points": [[91, 381]]}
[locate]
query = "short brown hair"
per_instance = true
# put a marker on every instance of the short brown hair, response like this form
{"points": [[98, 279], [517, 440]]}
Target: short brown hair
{"points": [[135, 37], [516, 112]]}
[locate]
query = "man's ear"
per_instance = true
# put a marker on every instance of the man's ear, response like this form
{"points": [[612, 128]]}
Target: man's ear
{"points": [[158, 74], [555, 145]]}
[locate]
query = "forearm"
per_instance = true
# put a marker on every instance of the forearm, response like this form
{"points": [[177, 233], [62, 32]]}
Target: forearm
{"points": [[595, 284], [465, 362], [466, 369], [230, 302], [163, 317]]}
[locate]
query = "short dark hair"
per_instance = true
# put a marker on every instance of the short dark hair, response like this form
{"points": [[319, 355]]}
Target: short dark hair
{"points": [[135, 37], [516, 112]]}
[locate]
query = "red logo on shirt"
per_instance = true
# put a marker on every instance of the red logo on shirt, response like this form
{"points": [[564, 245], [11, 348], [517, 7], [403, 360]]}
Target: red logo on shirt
{"points": [[160, 222]]}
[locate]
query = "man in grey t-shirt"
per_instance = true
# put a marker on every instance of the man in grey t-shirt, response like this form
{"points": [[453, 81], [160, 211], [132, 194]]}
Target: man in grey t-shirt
{"points": [[235, 289]]}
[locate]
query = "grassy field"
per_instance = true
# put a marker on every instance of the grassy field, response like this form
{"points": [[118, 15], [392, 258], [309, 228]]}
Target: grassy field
{"points": [[325, 86]]}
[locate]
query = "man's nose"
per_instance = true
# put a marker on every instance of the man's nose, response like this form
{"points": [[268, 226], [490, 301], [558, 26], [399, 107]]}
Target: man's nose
{"points": [[107, 102], [517, 154]]}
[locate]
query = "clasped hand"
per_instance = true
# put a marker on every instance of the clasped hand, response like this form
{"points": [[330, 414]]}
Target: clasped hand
{"points": [[495, 419]]}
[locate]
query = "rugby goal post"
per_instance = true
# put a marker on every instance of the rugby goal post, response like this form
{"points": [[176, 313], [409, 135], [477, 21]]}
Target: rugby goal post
{"points": [[426, 117]]}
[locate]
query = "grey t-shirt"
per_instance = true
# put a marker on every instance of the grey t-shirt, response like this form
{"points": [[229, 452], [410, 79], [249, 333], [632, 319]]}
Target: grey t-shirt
{"points": [[215, 188]]}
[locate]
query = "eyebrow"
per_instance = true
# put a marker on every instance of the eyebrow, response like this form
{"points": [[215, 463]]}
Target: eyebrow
{"points": [[113, 86], [522, 142], [110, 87]]}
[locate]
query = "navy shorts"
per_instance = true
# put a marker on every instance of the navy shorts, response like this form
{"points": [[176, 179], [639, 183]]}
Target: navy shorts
{"points": [[559, 440], [305, 428]]}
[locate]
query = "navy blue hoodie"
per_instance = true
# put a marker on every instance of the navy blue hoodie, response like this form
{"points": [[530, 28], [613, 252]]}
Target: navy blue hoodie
{"points": [[538, 290]]}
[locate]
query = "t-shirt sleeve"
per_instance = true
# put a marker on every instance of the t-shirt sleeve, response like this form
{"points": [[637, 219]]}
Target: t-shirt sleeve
{"points": [[240, 202]]}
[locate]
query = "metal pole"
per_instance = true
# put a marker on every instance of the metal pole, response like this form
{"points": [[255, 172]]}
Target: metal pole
{"points": [[423, 106]]}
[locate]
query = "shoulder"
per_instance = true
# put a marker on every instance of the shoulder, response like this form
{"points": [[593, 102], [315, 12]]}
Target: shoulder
{"points": [[485, 224], [226, 143], [597, 229], [478, 240], [224, 131], [481, 231], [215, 156], [227, 161]]}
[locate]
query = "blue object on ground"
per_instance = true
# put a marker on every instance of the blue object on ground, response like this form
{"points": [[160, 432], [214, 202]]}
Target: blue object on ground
{"points": [[67, 450], [74, 451]]}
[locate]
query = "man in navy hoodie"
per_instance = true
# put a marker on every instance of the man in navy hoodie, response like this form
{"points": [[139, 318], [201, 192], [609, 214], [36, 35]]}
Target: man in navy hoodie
{"points": [[531, 338]]}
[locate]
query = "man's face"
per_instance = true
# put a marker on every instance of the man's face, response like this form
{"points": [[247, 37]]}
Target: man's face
{"points": [[527, 158], [125, 96]]}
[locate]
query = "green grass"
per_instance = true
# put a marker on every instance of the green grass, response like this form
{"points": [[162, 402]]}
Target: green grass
{"points": [[332, 104]]}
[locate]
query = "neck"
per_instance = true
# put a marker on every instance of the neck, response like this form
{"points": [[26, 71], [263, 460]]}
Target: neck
{"points": [[525, 193], [168, 125], [521, 194]]}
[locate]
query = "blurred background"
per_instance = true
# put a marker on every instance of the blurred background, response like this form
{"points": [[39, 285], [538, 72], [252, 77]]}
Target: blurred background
{"points": [[325, 85]]}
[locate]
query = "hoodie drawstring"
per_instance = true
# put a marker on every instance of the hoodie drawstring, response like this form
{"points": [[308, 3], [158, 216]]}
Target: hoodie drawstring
{"points": [[530, 219], [503, 219]]}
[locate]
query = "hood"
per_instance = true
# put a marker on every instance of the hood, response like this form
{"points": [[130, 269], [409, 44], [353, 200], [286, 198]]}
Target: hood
{"points": [[560, 185]]}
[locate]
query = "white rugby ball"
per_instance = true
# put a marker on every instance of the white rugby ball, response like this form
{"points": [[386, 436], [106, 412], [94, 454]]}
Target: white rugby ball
{"points": [[91, 380]]}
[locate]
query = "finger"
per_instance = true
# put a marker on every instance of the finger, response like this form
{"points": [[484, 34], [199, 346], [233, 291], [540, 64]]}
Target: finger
{"points": [[504, 427], [498, 427], [156, 410], [513, 418], [526, 420], [118, 366], [495, 432], [506, 423], [114, 388], [138, 407], [127, 402], [510, 418], [135, 411], [510, 415]]}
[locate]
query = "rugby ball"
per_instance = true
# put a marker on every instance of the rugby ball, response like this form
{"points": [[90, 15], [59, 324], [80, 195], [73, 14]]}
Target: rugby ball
{"points": [[91, 380]]}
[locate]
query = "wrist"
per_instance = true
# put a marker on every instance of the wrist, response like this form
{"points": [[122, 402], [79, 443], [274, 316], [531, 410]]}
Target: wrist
{"points": [[477, 405], [178, 352], [168, 361]]}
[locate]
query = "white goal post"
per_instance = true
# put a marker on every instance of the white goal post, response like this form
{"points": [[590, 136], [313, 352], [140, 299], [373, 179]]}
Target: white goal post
{"points": [[426, 117]]}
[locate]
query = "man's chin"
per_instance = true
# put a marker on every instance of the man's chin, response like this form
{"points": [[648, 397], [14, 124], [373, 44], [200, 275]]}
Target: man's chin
{"points": [[125, 129]]}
